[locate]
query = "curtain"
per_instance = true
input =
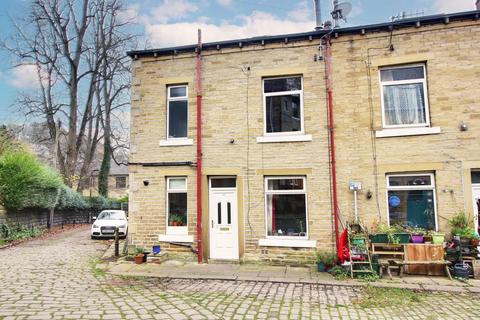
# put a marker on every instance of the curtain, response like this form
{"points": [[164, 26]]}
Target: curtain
{"points": [[404, 104]]}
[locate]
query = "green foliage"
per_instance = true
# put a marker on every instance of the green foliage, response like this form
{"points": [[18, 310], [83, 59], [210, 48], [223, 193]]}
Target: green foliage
{"points": [[327, 257], [10, 233], [459, 220], [25, 182], [69, 199], [339, 273], [139, 250], [99, 203], [375, 297], [369, 277], [123, 199], [460, 226]]}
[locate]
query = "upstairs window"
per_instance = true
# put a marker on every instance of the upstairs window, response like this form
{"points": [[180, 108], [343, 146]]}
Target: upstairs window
{"points": [[404, 96], [283, 100], [177, 112]]}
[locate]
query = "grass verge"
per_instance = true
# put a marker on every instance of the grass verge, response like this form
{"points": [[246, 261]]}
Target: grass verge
{"points": [[375, 297]]}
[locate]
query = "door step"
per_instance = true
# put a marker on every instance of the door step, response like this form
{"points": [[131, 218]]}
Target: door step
{"points": [[223, 261]]}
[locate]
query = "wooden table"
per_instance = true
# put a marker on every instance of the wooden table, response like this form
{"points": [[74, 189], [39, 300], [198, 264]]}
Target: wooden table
{"points": [[424, 259]]}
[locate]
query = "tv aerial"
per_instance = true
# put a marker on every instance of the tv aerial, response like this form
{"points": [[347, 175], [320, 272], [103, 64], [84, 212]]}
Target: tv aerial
{"points": [[340, 11]]}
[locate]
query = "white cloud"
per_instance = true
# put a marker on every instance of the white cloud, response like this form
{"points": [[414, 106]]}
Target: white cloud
{"points": [[304, 12], [224, 3], [172, 10], [447, 6], [256, 24], [24, 76], [130, 13]]}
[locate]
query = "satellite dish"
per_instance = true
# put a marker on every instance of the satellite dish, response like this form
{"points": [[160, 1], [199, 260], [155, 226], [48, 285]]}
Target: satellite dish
{"points": [[340, 11]]}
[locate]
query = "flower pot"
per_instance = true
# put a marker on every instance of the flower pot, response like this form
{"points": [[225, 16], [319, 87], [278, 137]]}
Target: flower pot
{"points": [[402, 237], [358, 241], [464, 241], [156, 249], [139, 259], [417, 238], [461, 270], [145, 255], [475, 242], [379, 238], [427, 239], [320, 267], [438, 238]]}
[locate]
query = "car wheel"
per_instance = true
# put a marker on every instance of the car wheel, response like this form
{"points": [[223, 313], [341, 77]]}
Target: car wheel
{"points": [[93, 237]]}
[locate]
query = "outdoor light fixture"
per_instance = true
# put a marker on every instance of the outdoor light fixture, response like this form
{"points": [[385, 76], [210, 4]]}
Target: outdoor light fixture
{"points": [[146, 182], [463, 126]]}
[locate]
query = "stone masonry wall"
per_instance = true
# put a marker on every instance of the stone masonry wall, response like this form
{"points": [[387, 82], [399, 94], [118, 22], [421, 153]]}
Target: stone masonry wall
{"points": [[233, 109]]}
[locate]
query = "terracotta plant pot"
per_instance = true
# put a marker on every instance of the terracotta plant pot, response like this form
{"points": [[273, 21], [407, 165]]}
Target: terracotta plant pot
{"points": [[475, 242], [139, 259]]}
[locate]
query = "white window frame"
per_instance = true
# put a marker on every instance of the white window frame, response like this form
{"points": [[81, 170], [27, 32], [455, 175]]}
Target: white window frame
{"points": [[282, 93], [126, 182], [172, 230], [419, 187], [400, 82], [271, 192], [169, 99]]}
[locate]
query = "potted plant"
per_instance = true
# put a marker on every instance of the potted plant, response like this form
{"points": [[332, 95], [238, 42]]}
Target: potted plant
{"points": [[325, 260], [139, 257], [438, 237], [417, 234], [389, 234], [475, 240], [461, 228], [176, 220]]}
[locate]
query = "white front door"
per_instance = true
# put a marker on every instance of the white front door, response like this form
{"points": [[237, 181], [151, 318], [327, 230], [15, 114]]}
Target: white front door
{"points": [[476, 204], [223, 218]]}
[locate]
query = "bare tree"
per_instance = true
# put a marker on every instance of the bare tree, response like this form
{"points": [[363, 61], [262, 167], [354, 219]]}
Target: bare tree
{"points": [[75, 46]]}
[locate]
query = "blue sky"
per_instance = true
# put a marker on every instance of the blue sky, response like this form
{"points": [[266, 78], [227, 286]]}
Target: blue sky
{"points": [[175, 22]]}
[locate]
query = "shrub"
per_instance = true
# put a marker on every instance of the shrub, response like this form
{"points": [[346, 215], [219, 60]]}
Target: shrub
{"points": [[25, 182], [69, 199]]}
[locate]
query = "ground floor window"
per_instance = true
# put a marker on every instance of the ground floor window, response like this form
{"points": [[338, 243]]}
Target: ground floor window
{"points": [[286, 206], [411, 200], [177, 205]]}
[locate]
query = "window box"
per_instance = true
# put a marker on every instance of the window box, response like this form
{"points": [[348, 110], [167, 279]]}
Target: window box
{"points": [[286, 208], [404, 96]]}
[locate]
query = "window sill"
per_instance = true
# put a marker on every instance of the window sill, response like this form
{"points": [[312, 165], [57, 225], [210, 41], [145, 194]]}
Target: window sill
{"points": [[292, 243], [176, 142], [385, 133], [292, 138], [175, 238]]}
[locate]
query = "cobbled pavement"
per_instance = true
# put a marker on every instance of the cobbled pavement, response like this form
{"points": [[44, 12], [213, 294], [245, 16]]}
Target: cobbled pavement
{"points": [[55, 278]]}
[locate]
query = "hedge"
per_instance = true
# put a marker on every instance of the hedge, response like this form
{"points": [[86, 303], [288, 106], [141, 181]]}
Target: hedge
{"points": [[26, 183]]}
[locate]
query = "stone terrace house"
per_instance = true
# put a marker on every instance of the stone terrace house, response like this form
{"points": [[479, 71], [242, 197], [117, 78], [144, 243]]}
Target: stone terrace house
{"points": [[407, 119]]}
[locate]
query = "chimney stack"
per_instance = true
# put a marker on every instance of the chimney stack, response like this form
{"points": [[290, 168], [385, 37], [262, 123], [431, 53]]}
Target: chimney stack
{"points": [[318, 14]]}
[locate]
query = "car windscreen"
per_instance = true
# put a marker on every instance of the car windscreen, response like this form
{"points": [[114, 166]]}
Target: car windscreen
{"points": [[111, 215]]}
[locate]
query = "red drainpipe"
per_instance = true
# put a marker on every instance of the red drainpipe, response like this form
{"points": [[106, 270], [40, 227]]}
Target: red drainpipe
{"points": [[199, 147], [328, 64]]}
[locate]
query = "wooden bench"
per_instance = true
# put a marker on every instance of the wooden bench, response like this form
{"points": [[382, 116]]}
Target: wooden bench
{"points": [[402, 264]]}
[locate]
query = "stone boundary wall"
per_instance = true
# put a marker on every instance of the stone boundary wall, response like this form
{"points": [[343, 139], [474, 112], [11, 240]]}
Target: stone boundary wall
{"points": [[39, 217]]}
